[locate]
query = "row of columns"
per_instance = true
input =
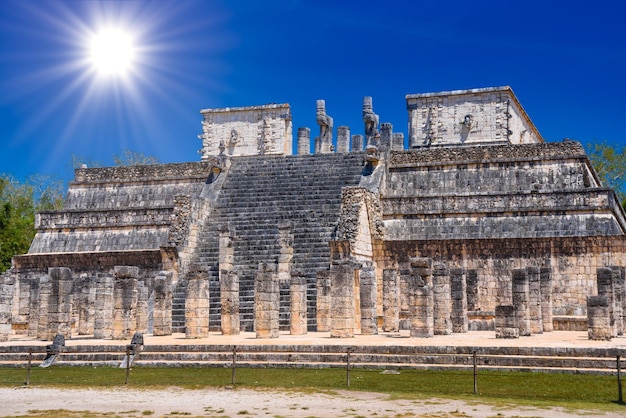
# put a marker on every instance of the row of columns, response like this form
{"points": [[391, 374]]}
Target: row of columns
{"points": [[531, 311], [347, 143]]}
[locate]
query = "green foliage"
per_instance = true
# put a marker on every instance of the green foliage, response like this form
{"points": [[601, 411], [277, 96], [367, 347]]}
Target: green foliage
{"points": [[18, 203], [610, 164]]}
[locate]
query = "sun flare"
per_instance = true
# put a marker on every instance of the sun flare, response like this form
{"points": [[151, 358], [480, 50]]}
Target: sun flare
{"points": [[112, 52]]}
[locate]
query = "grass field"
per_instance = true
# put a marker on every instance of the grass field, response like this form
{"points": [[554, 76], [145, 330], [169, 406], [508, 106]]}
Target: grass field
{"points": [[566, 390]]}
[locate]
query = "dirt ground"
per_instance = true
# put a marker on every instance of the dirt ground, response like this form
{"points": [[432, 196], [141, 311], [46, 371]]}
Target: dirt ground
{"points": [[224, 402]]}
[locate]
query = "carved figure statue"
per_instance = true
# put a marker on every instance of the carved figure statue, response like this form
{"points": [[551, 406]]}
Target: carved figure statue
{"points": [[325, 122], [371, 122], [234, 137]]}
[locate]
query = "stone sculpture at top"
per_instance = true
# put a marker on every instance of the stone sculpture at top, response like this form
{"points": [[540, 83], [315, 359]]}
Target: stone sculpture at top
{"points": [[326, 127], [372, 136]]}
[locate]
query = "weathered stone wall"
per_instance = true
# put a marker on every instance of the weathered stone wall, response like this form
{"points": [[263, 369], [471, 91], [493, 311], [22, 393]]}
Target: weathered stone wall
{"points": [[537, 190], [468, 117], [251, 130]]}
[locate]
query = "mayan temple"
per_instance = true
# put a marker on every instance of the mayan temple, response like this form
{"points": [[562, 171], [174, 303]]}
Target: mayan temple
{"points": [[470, 222]]}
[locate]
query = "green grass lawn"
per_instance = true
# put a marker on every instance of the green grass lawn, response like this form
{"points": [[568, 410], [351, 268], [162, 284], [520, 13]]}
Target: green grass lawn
{"points": [[539, 389]]}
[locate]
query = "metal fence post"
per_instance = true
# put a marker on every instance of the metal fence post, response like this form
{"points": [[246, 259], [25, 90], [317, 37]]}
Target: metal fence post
{"points": [[620, 398], [475, 373], [348, 366], [30, 360], [232, 377]]}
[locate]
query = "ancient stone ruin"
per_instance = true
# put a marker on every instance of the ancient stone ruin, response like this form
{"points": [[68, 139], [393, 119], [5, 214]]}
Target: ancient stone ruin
{"points": [[475, 224]]}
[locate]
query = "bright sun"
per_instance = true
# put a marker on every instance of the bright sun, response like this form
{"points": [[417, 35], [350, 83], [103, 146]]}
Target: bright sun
{"points": [[112, 52]]}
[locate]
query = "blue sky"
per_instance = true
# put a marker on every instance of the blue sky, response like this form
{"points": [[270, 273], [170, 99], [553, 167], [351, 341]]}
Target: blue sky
{"points": [[566, 62]]}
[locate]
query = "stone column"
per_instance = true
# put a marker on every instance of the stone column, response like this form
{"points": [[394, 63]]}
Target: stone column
{"points": [[391, 301], [546, 298], [441, 300], [304, 141], [143, 294], [458, 295], [162, 316], [386, 132], [229, 283], [45, 290], [368, 298], [60, 302], [342, 296], [421, 299], [506, 322], [86, 306], [125, 297], [323, 301], [618, 291], [605, 288], [471, 278], [103, 307], [343, 139], [598, 318], [266, 301], [197, 302], [520, 300], [298, 308], [285, 252], [534, 300], [33, 307], [7, 286], [397, 141], [357, 143]]}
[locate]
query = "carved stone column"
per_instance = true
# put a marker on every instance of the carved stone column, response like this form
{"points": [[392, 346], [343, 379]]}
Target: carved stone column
{"points": [[342, 294], [229, 283], [285, 253], [143, 294], [458, 295], [386, 132], [323, 301], [421, 298], [326, 128], [368, 299], [162, 316], [7, 286], [534, 300], [605, 288], [60, 302], [103, 307], [506, 322], [86, 305], [441, 300], [599, 318], [343, 139], [45, 290], [357, 143], [197, 302], [520, 300], [297, 289], [546, 298], [397, 141], [391, 301], [33, 306], [125, 297], [304, 141], [618, 290], [266, 301]]}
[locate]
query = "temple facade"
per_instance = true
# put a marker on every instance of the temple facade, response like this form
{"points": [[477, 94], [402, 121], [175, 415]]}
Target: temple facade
{"points": [[477, 224]]}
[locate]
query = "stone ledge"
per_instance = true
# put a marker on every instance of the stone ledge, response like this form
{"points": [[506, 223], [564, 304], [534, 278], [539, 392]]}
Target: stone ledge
{"points": [[89, 260]]}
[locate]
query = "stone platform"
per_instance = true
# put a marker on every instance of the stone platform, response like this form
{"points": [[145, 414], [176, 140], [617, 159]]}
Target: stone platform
{"points": [[563, 352]]}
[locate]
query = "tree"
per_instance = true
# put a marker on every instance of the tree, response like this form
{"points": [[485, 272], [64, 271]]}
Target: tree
{"points": [[610, 164], [18, 203]]}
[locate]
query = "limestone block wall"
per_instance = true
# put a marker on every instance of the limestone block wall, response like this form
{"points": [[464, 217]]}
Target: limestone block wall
{"points": [[468, 117], [118, 208], [251, 130], [537, 190]]}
